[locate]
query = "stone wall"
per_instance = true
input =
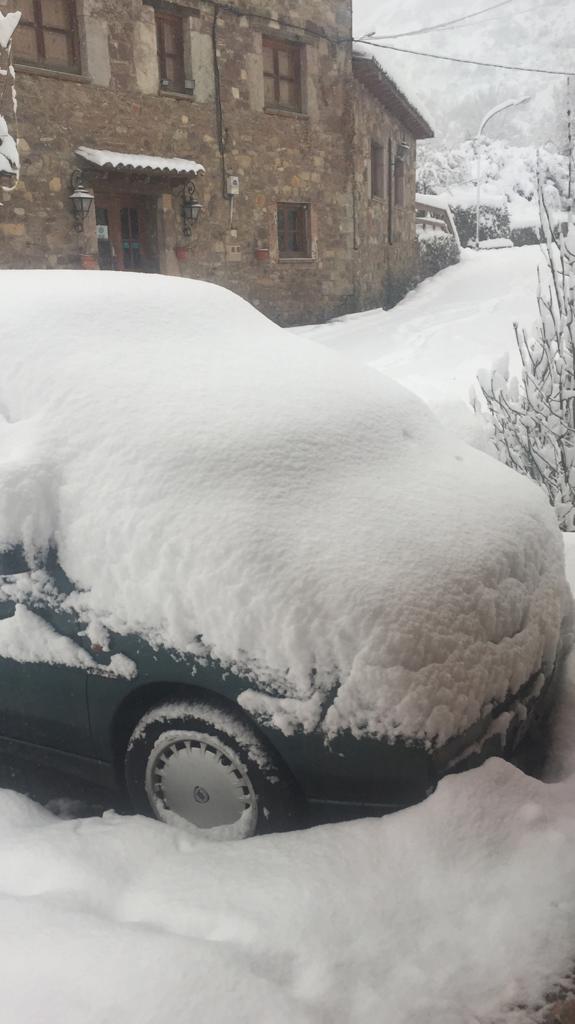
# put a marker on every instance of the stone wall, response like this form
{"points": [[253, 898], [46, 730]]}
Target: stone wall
{"points": [[386, 248], [316, 157]]}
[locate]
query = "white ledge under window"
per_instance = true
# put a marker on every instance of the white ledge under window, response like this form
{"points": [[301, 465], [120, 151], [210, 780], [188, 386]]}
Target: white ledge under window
{"points": [[297, 259], [173, 94], [286, 113], [38, 69]]}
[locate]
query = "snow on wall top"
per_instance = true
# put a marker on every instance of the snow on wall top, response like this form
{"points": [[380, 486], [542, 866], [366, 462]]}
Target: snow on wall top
{"points": [[436, 201], [204, 473], [138, 162], [439, 203]]}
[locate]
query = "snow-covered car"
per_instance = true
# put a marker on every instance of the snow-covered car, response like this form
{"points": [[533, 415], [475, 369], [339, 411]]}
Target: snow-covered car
{"points": [[241, 574]]}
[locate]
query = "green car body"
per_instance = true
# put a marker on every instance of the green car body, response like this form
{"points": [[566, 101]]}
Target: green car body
{"points": [[81, 721]]}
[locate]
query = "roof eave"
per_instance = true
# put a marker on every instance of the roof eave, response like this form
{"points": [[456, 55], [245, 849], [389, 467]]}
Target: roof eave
{"points": [[374, 78]]}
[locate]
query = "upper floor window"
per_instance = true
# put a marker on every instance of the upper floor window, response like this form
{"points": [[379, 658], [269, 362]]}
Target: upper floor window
{"points": [[170, 30], [294, 231], [377, 171], [399, 182], [282, 75], [47, 34]]}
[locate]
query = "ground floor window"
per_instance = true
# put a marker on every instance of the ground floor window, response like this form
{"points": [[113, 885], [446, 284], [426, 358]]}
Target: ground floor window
{"points": [[399, 175], [294, 231]]}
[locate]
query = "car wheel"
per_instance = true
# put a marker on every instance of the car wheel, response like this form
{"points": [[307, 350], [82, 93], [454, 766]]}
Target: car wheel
{"points": [[199, 767]]}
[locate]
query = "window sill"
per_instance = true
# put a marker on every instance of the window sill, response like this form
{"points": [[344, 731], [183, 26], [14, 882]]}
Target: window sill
{"points": [[286, 113], [379, 200], [297, 259], [174, 95], [66, 76]]}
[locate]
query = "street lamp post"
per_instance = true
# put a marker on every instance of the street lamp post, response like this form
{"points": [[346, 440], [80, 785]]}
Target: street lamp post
{"points": [[496, 110]]}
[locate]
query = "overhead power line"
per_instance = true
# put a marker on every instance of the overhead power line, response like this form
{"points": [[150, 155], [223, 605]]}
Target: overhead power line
{"points": [[473, 25], [442, 24], [462, 60]]}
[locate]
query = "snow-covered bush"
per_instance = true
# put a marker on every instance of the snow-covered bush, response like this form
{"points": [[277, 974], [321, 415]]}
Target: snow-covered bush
{"points": [[493, 221], [533, 419], [525, 236], [9, 157], [435, 253]]}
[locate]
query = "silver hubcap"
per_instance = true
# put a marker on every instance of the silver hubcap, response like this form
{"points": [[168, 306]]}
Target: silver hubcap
{"points": [[201, 781]]}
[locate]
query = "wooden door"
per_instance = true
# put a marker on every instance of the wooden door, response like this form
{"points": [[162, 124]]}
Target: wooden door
{"points": [[126, 230]]}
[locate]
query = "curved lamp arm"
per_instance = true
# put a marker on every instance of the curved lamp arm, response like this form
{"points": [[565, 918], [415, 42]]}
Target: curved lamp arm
{"points": [[495, 110], [499, 108]]}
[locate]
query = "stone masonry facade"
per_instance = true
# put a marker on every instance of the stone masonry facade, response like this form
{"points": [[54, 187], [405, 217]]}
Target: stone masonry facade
{"points": [[361, 248]]}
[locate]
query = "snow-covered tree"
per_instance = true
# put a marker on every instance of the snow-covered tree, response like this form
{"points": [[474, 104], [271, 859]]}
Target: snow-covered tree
{"points": [[9, 157], [533, 417], [510, 176]]}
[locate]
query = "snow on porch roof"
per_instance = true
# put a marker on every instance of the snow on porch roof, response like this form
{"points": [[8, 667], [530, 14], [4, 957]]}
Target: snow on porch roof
{"points": [[138, 162]]}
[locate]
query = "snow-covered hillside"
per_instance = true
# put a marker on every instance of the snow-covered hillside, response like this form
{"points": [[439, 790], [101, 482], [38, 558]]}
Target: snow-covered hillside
{"points": [[522, 32]]}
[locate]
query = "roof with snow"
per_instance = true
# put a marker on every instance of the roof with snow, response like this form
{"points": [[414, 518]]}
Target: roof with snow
{"points": [[371, 74], [110, 160], [437, 202]]}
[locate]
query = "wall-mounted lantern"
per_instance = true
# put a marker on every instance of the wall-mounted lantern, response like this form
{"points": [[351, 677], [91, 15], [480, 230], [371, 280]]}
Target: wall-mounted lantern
{"points": [[191, 209], [403, 149], [82, 199]]}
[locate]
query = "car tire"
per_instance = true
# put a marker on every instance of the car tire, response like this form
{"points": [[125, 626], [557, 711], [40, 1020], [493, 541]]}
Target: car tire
{"points": [[199, 767]]}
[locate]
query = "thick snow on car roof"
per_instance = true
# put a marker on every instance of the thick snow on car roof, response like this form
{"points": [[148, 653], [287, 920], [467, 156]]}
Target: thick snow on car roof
{"points": [[219, 485]]}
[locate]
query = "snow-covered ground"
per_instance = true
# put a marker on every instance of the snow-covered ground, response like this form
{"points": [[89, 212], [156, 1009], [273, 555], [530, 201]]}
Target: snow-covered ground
{"points": [[458, 911], [452, 325]]}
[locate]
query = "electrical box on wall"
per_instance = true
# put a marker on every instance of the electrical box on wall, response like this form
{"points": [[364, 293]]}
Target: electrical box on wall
{"points": [[233, 185], [234, 253]]}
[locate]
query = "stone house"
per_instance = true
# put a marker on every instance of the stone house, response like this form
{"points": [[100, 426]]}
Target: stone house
{"points": [[246, 143]]}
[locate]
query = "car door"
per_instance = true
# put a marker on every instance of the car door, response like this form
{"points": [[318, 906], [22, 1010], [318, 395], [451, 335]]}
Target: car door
{"points": [[43, 680]]}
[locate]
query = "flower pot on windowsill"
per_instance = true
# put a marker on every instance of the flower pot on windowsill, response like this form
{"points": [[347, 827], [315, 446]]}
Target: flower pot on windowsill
{"points": [[182, 253], [262, 255], [89, 262]]}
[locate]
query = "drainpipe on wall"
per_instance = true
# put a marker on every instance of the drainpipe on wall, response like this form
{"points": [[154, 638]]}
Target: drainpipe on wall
{"points": [[220, 128]]}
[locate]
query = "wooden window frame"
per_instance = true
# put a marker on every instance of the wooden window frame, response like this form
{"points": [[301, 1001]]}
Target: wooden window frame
{"points": [[294, 50], [303, 210], [71, 35], [162, 17], [399, 183], [377, 157]]}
